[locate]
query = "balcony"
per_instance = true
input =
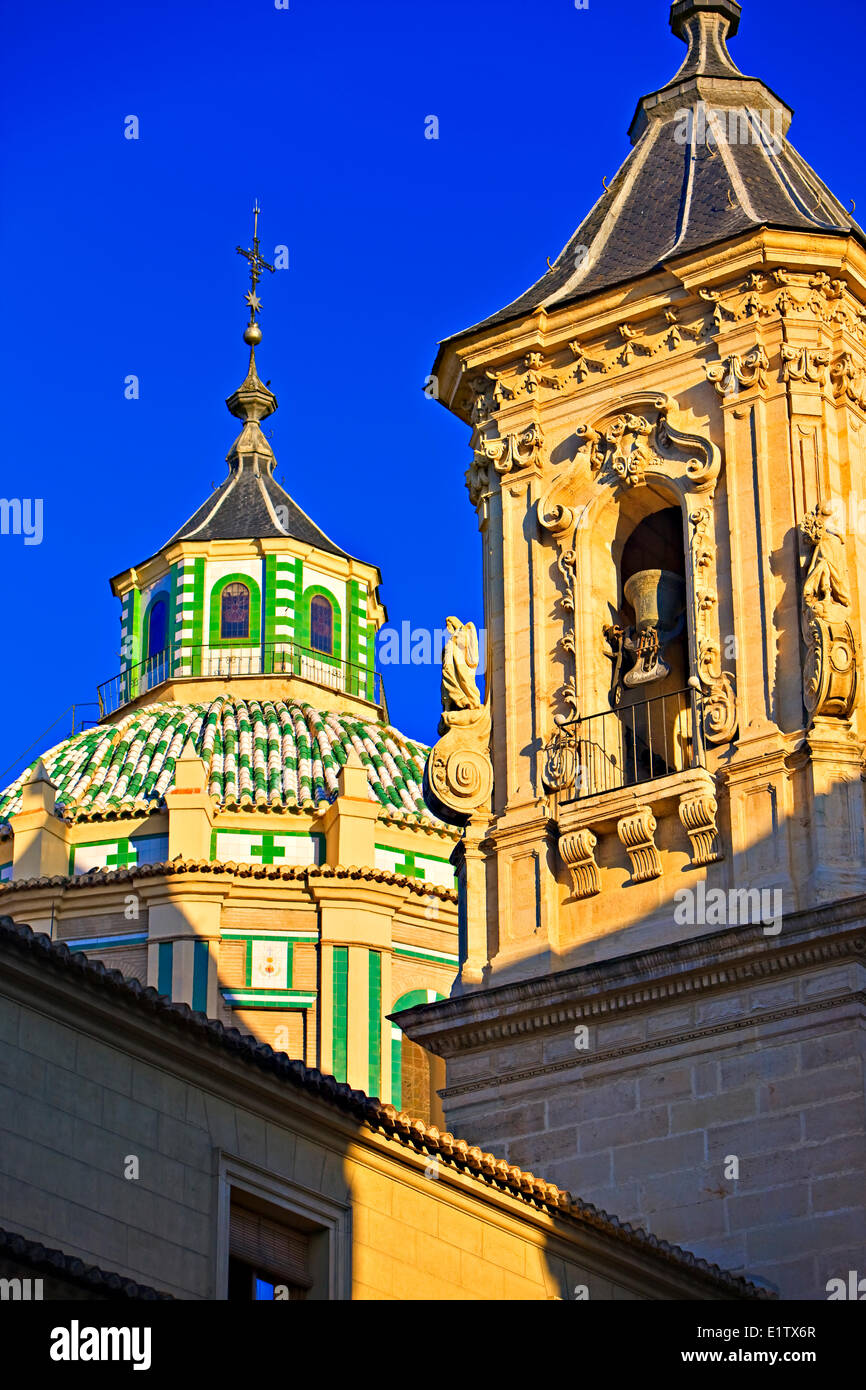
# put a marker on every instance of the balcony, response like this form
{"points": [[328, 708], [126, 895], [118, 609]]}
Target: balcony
{"points": [[616, 772], [227, 663], [627, 746]]}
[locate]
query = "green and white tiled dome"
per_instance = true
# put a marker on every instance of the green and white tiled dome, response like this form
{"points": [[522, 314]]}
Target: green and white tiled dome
{"points": [[272, 753]]}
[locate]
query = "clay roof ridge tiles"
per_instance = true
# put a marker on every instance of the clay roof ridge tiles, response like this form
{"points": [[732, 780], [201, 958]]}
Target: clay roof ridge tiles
{"points": [[369, 1110], [47, 1260], [97, 876]]}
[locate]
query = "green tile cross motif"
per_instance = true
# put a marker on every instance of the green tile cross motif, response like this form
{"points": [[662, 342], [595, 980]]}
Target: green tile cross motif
{"points": [[267, 851], [126, 854]]}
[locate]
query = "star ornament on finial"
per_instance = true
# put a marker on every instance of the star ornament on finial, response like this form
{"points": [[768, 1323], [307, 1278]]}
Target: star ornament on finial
{"points": [[257, 264]]}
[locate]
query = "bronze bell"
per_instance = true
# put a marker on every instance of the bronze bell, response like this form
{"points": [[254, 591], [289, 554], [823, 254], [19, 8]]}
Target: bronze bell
{"points": [[658, 599]]}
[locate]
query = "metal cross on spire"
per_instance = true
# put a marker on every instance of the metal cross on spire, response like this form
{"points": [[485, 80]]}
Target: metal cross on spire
{"points": [[257, 264]]}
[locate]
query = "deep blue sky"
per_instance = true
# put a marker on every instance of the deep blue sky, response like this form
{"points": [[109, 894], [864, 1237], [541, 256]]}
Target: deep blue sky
{"points": [[119, 258]]}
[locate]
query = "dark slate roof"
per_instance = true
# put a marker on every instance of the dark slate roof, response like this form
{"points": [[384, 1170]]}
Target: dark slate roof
{"points": [[250, 504], [413, 1134], [244, 507], [677, 192]]}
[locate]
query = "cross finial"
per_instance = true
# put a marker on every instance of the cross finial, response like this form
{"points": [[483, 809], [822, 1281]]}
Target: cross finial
{"points": [[257, 264]]}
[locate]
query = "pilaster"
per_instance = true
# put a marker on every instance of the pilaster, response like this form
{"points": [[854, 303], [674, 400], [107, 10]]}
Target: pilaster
{"points": [[349, 822], [190, 809], [41, 840]]}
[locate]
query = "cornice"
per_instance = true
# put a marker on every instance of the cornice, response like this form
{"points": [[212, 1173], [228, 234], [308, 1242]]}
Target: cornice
{"points": [[207, 871], [660, 977], [677, 1038], [597, 325]]}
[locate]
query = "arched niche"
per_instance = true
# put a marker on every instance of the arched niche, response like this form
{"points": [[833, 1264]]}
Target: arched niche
{"points": [[630, 464]]}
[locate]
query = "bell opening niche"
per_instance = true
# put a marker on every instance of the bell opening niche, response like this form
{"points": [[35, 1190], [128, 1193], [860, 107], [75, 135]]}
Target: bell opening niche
{"points": [[649, 731], [650, 640]]}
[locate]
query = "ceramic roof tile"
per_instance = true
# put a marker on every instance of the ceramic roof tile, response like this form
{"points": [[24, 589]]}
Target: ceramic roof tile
{"points": [[270, 753]]}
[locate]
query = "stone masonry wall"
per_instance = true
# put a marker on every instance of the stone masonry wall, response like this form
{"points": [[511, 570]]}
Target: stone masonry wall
{"points": [[78, 1100], [643, 1121]]}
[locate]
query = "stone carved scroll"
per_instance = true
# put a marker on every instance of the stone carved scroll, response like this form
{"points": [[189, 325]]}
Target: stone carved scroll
{"points": [[830, 666], [578, 853], [636, 834], [804, 364], [734, 372], [698, 817], [719, 697], [627, 449], [503, 456]]}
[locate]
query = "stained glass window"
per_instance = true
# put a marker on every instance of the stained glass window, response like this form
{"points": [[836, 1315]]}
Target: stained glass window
{"points": [[321, 626], [235, 612]]}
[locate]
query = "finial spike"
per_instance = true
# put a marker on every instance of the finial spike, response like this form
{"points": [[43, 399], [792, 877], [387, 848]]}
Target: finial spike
{"points": [[257, 263]]}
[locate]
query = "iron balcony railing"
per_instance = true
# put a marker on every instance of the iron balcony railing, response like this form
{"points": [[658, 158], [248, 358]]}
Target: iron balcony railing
{"points": [[628, 745], [268, 659]]}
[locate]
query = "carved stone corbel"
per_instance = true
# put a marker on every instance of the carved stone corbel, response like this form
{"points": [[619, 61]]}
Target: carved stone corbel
{"points": [[698, 817], [578, 853], [503, 455], [636, 834], [848, 380], [514, 450]]}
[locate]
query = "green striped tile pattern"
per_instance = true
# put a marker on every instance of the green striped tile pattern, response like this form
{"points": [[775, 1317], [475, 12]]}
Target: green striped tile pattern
{"points": [[277, 753], [341, 1012], [374, 1015]]}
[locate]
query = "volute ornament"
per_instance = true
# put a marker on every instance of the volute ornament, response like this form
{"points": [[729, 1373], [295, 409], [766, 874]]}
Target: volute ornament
{"points": [[804, 364], [458, 778], [733, 372], [830, 665], [627, 449], [503, 455], [719, 694]]}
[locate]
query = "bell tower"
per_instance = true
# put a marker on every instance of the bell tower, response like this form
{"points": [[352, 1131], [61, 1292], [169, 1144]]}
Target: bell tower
{"points": [[667, 457], [663, 870]]}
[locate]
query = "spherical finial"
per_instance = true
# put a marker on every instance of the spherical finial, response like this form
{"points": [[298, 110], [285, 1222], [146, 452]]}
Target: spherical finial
{"points": [[252, 335]]}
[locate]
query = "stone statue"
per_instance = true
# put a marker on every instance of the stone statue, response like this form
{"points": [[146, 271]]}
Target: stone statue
{"points": [[459, 776], [830, 665], [826, 582], [459, 664]]}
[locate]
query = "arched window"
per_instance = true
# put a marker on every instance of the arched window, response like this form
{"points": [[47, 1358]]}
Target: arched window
{"points": [[321, 625], [235, 612], [410, 1064], [156, 624]]}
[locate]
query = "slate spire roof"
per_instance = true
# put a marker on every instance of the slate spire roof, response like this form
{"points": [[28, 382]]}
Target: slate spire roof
{"points": [[250, 504], [710, 161]]}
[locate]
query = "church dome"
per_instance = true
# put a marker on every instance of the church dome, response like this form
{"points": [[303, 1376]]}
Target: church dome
{"points": [[277, 754]]}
